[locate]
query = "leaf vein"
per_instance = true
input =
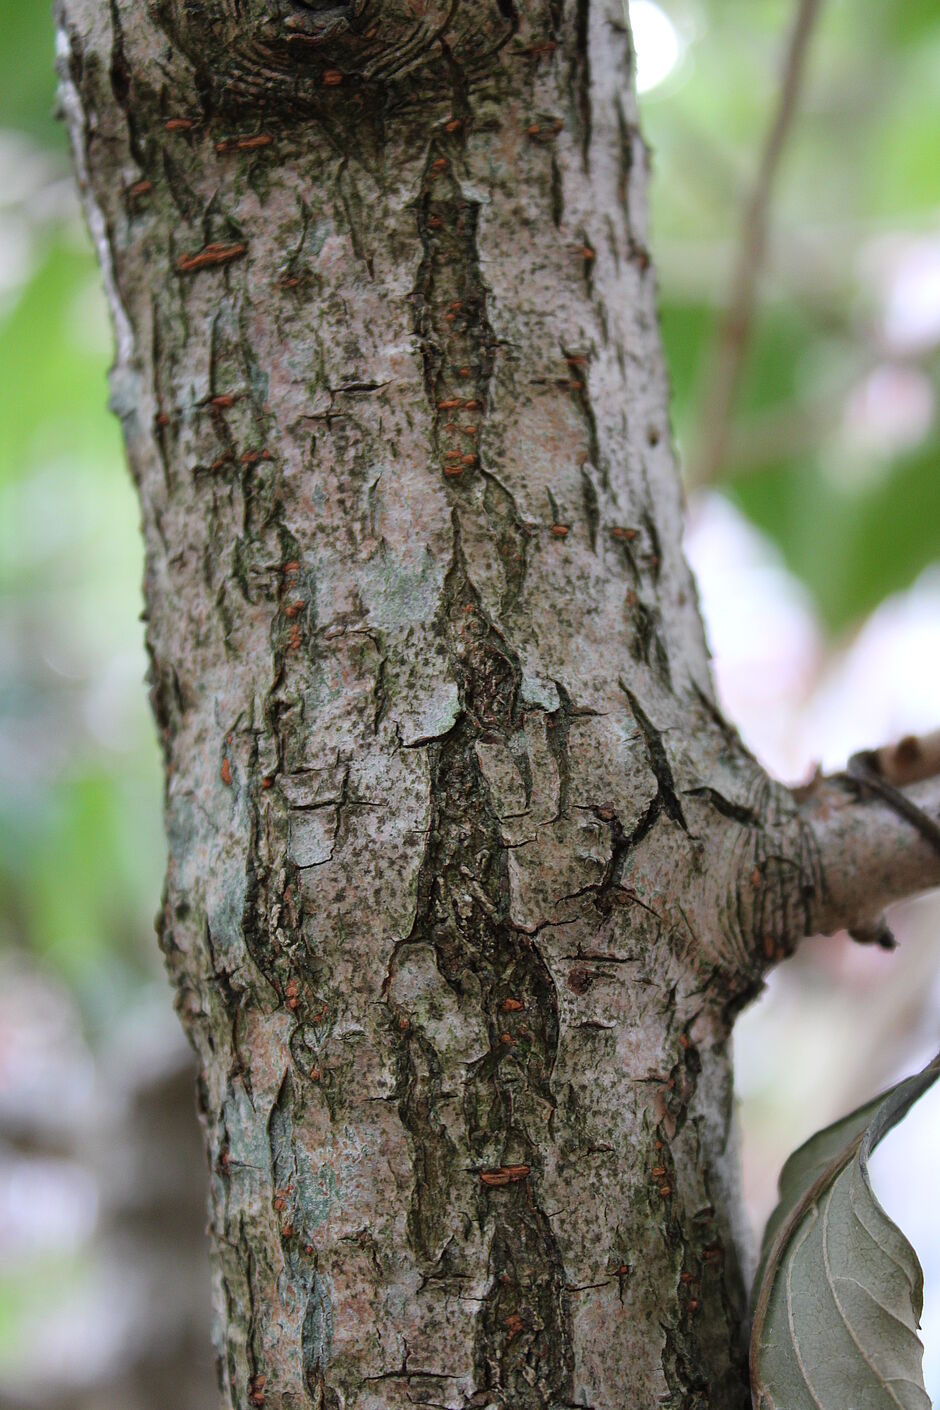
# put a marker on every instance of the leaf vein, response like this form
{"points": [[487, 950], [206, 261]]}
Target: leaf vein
{"points": [[835, 1297]]}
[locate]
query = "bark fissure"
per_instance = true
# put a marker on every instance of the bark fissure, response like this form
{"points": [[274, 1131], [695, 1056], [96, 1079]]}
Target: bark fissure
{"points": [[659, 763], [522, 1348]]}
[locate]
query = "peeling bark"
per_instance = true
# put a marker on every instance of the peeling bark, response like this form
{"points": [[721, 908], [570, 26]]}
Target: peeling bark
{"points": [[467, 877]]}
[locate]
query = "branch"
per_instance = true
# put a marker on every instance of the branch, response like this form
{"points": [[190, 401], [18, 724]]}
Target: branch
{"points": [[777, 864], [876, 831], [912, 759], [735, 328]]}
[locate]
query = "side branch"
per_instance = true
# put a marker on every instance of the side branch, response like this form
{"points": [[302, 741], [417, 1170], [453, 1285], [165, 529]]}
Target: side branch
{"points": [[877, 835], [828, 856]]}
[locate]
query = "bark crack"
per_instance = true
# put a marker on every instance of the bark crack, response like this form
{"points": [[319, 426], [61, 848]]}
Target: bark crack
{"points": [[523, 1337]]}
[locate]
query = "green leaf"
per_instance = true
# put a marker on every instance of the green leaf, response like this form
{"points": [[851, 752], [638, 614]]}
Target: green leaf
{"points": [[851, 545], [839, 1290], [27, 70], [53, 369], [909, 23]]}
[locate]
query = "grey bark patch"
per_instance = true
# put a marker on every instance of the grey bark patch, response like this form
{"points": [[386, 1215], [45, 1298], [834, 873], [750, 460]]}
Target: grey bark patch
{"points": [[313, 836]]}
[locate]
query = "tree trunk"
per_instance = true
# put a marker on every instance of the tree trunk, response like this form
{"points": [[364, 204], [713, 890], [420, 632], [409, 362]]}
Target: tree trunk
{"points": [[467, 876]]}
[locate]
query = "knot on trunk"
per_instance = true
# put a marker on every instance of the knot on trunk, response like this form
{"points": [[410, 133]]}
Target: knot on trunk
{"points": [[320, 56]]}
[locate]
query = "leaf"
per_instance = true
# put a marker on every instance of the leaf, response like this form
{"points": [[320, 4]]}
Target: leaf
{"points": [[852, 547], [839, 1288], [27, 71], [910, 23], [54, 378]]}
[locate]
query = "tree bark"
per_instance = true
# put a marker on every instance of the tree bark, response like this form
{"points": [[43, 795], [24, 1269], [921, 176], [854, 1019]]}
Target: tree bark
{"points": [[467, 875]]}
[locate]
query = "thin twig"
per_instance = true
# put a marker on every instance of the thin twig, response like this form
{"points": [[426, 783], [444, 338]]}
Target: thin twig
{"points": [[734, 330]]}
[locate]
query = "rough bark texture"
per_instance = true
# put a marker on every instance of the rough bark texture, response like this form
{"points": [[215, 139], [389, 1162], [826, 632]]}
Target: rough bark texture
{"points": [[467, 875]]}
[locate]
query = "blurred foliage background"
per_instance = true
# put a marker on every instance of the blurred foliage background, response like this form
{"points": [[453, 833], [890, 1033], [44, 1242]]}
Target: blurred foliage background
{"points": [[815, 539]]}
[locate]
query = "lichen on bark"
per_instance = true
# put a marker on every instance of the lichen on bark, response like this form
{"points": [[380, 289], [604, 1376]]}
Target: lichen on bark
{"points": [[454, 901]]}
